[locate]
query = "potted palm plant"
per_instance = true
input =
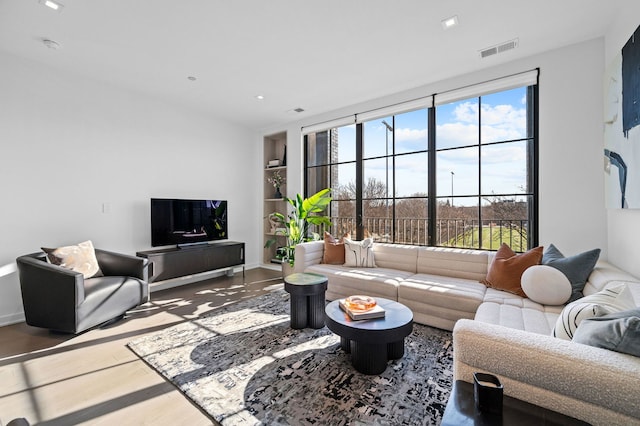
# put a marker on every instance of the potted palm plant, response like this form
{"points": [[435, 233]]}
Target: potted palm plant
{"points": [[295, 226]]}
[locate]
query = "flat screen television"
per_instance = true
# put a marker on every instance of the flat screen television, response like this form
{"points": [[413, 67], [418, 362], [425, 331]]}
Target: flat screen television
{"points": [[183, 222]]}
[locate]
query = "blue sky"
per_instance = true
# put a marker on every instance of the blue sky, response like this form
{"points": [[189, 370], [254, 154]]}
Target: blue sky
{"points": [[503, 166]]}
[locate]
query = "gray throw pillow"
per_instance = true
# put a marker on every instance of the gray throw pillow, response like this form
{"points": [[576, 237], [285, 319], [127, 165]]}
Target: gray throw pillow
{"points": [[618, 332], [577, 268]]}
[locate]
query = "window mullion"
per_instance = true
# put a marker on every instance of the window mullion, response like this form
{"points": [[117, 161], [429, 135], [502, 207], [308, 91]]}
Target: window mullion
{"points": [[480, 173], [431, 176], [533, 154], [393, 174], [359, 180], [306, 165]]}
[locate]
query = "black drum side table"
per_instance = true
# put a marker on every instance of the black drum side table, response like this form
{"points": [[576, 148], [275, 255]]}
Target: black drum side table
{"points": [[307, 299]]}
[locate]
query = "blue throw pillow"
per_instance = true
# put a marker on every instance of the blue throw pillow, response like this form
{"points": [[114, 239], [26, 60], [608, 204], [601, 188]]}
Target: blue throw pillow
{"points": [[618, 332], [577, 268]]}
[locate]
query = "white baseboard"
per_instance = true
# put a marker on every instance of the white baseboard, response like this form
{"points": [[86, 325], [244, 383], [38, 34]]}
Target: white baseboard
{"points": [[271, 266], [12, 319]]}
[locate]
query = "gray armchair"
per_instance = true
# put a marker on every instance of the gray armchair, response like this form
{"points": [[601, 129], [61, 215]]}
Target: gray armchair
{"points": [[63, 300]]}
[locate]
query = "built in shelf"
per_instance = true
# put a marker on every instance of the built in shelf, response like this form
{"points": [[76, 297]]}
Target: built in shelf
{"points": [[274, 147]]}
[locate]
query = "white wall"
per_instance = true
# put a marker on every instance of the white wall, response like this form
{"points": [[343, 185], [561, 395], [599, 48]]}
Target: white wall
{"points": [[69, 145], [572, 213], [623, 225]]}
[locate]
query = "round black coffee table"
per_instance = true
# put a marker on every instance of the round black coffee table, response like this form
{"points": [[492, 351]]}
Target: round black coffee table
{"points": [[375, 341], [307, 299]]}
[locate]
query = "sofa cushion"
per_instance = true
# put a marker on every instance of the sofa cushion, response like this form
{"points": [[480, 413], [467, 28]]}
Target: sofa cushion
{"points": [[577, 268], [507, 267], [451, 262], [333, 250], [615, 298], [618, 332], [79, 258], [546, 285], [518, 313], [437, 290], [375, 282], [359, 253], [396, 256]]}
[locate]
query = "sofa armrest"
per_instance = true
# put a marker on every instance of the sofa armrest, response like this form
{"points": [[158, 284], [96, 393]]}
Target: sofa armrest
{"points": [[307, 254], [551, 372], [118, 264]]}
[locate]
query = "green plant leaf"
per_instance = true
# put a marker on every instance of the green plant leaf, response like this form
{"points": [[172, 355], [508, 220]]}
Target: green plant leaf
{"points": [[296, 223], [317, 202]]}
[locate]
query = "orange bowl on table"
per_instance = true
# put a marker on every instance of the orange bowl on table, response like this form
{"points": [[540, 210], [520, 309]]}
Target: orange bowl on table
{"points": [[358, 303]]}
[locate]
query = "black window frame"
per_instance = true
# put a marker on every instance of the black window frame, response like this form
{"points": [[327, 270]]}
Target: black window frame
{"points": [[432, 198]]}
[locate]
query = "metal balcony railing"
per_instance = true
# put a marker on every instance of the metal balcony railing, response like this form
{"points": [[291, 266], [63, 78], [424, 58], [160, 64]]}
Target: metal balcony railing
{"points": [[461, 233]]}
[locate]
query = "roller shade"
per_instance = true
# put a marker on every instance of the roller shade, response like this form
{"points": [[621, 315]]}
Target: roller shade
{"points": [[331, 124], [426, 102], [527, 78]]}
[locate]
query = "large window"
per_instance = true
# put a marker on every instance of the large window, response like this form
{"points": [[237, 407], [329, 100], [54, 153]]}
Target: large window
{"points": [[485, 171], [395, 185], [331, 163], [460, 174]]}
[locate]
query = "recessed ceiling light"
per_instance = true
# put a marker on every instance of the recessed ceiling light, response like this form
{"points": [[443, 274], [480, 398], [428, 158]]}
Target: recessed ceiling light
{"points": [[51, 44], [259, 97], [52, 5], [192, 78], [450, 22]]}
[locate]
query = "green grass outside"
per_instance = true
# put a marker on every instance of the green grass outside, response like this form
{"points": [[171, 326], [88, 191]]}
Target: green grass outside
{"points": [[492, 238]]}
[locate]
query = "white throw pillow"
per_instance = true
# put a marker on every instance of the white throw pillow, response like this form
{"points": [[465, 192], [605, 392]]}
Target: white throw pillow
{"points": [[616, 298], [78, 258], [359, 253], [546, 285]]}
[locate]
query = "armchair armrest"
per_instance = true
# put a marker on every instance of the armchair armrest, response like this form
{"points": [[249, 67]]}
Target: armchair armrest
{"points": [[112, 263], [49, 290]]}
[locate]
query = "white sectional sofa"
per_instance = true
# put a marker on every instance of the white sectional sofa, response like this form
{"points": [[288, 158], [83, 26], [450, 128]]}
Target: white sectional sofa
{"points": [[495, 331]]}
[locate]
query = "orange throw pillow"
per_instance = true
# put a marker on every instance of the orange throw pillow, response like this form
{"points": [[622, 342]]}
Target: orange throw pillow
{"points": [[333, 250], [507, 267]]}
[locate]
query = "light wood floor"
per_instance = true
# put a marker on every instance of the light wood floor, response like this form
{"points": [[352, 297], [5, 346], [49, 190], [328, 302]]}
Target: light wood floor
{"points": [[93, 378]]}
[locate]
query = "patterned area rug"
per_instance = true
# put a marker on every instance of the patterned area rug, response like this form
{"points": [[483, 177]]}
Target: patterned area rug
{"points": [[243, 364]]}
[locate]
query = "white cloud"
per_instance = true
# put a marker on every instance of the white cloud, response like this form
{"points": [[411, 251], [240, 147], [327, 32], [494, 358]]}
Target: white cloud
{"points": [[466, 112], [456, 134], [500, 122], [505, 154], [403, 135], [408, 139]]}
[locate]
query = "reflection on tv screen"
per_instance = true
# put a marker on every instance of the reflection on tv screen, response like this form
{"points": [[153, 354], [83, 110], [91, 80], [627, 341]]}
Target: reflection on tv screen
{"points": [[176, 221]]}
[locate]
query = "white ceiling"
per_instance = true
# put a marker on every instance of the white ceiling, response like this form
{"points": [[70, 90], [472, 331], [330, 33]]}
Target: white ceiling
{"points": [[317, 55]]}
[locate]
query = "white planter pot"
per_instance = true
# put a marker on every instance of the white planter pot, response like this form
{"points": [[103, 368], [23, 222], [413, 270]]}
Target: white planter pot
{"points": [[287, 269]]}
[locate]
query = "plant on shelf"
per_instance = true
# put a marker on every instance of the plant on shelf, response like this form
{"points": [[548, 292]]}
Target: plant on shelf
{"points": [[295, 227], [277, 180]]}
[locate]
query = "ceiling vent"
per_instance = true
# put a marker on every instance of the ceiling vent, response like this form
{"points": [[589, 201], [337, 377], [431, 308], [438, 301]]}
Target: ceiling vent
{"points": [[295, 111], [503, 47]]}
